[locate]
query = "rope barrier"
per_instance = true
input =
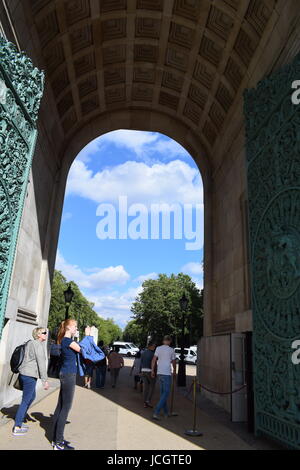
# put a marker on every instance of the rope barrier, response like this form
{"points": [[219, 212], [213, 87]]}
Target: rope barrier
{"points": [[221, 393], [189, 391], [195, 383]]}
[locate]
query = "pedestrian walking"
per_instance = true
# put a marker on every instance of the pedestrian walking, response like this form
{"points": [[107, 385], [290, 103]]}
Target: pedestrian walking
{"points": [[67, 377], [164, 356], [115, 363], [88, 375], [34, 366], [54, 363], [101, 367], [146, 377], [136, 367]]}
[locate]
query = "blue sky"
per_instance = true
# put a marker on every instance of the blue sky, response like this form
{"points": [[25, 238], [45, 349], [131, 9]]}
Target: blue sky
{"points": [[145, 168]]}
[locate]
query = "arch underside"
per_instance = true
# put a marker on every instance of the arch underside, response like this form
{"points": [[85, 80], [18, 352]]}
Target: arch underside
{"points": [[183, 58]]}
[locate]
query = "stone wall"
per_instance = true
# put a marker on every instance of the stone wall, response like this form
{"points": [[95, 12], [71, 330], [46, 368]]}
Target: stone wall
{"points": [[30, 290], [214, 372], [230, 306]]}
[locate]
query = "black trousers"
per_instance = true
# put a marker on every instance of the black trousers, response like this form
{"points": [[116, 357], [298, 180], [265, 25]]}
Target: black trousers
{"points": [[65, 400]]}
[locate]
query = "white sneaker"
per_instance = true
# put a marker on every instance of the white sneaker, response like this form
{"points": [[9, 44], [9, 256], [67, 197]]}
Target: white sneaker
{"points": [[156, 417], [19, 431]]}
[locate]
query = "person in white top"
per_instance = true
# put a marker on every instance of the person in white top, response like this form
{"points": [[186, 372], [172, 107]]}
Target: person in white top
{"points": [[165, 357]]}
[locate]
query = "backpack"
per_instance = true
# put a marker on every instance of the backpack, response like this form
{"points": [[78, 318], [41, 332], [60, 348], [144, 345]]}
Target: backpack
{"points": [[17, 357]]}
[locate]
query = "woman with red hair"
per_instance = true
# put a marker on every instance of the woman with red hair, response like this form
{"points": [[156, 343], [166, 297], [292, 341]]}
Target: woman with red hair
{"points": [[67, 377]]}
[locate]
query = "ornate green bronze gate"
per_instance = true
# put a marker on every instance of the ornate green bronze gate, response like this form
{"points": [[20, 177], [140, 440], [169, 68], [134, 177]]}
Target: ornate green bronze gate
{"points": [[273, 171], [21, 89]]}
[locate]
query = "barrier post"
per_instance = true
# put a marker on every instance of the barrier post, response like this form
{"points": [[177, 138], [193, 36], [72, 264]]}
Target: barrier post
{"points": [[194, 432], [172, 413]]}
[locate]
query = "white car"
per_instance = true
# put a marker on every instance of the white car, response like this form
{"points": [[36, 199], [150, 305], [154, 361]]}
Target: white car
{"points": [[189, 355], [126, 348]]}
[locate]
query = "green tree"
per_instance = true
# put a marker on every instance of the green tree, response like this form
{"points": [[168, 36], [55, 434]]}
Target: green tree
{"points": [[80, 308], [157, 309], [135, 333]]}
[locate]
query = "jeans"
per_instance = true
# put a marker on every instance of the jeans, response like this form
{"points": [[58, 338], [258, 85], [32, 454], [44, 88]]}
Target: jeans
{"points": [[28, 385], [165, 388], [149, 384], [100, 376], [65, 400]]}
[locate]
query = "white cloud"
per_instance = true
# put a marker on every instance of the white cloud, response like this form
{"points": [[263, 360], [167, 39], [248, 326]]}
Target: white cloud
{"points": [[95, 282], [115, 305], [137, 141], [172, 182], [145, 277], [66, 216], [192, 268], [145, 145], [195, 271], [198, 282], [89, 150], [95, 278]]}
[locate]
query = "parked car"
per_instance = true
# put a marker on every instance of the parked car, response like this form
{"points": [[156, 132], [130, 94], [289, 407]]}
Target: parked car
{"points": [[190, 355], [127, 349]]}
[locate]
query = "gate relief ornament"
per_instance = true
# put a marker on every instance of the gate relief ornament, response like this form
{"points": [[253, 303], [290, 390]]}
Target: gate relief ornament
{"points": [[21, 89], [273, 176]]}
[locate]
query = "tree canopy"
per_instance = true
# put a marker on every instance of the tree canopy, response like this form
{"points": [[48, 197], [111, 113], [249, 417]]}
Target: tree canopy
{"points": [[80, 309], [157, 312]]}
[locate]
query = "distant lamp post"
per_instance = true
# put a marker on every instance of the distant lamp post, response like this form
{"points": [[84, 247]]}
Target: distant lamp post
{"points": [[69, 294], [181, 379]]}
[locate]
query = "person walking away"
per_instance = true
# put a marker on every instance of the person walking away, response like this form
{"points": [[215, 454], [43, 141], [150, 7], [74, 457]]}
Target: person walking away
{"points": [[88, 375], [67, 377], [164, 356], [54, 363], [136, 367], [115, 363], [148, 380], [101, 367], [34, 366]]}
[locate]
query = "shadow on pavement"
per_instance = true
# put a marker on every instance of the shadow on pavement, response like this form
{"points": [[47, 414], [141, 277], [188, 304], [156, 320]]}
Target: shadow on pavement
{"points": [[131, 399], [45, 423], [126, 396], [10, 413]]}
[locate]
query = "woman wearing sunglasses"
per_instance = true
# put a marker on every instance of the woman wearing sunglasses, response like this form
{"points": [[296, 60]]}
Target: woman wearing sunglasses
{"points": [[34, 366]]}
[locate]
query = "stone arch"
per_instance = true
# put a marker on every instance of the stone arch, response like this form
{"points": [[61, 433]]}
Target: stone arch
{"points": [[153, 121], [143, 120], [186, 58], [179, 63]]}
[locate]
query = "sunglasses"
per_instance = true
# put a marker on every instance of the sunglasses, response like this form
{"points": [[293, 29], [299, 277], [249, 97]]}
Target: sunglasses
{"points": [[43, 332]]}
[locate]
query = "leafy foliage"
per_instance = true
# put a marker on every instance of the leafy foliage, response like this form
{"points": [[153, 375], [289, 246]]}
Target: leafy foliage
{"points": [[157, 312], [80, 309]]}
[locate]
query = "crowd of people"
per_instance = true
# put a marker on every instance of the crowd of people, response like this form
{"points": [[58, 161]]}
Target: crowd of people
{"points": [[68, 358]]}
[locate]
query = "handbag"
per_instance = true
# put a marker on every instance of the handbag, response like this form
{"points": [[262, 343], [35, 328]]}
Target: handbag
{"points": [[17, 384]]}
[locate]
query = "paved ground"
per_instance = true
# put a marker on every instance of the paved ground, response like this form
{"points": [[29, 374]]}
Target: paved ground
{"points": [[114, 419]]}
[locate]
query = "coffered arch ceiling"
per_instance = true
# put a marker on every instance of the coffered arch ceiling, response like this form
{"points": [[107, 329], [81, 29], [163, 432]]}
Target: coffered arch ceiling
{"points": [[183, 58]]}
